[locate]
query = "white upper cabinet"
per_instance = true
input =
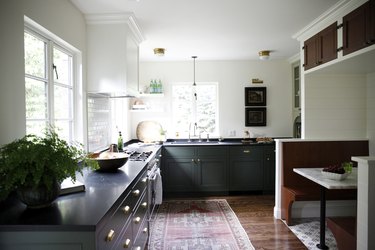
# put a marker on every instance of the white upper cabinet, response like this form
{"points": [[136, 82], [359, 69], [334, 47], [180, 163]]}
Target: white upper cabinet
{"points": [[112, 54]]}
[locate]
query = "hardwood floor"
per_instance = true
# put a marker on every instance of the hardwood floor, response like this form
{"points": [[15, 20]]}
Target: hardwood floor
{"points": [[255, 213]]}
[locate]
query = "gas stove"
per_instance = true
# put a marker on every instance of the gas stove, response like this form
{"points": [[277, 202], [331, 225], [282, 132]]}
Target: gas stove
{"points": [[135, 155]]}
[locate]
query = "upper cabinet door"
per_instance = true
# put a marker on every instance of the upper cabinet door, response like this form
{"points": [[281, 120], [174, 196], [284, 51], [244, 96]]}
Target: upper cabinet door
{"points": [[354, 30], [370, 22], [359, 28], [321, 48]]}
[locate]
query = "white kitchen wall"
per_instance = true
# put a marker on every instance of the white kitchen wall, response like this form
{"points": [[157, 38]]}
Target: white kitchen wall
{"points": [[232, 77], [59, 17], [371, 111], [335, 106]]}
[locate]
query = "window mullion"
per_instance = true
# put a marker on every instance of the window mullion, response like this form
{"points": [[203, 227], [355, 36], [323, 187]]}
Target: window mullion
{"points": [[50, 81]]}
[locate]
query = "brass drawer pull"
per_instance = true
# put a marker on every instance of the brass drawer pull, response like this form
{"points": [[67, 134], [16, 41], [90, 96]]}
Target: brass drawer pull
{"points": [[137, 220], [127, 243], [136, 192], [144, 204], [144, 180], [110, 235], [246, 151], [145, 230], [126, 209]]}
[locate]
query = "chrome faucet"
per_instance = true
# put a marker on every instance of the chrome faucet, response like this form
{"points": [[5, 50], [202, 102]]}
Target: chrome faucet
{"points": [[195, 128]]}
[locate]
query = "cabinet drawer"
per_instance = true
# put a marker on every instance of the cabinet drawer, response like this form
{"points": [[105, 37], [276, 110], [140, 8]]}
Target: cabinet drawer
{"points": [[254, 152], [179, 152], [140, 214], [126, 239], [139, 187], [142, 237]]}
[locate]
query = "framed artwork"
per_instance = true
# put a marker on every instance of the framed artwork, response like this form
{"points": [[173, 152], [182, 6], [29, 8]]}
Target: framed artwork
{"points": [[255, 117], [255, 96]]}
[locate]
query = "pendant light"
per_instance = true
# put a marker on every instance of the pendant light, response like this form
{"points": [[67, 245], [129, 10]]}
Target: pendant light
{"points": [[194, 83], [194, 57]]}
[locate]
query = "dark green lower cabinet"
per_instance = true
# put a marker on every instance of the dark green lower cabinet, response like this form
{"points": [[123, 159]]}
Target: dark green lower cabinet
{"points": [[218, 168], [269, 169], [194, 169], [246, 168]]}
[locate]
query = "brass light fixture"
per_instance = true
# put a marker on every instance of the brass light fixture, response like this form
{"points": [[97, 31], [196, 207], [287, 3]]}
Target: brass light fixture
{"points": [[264, 54], [159, 51]]}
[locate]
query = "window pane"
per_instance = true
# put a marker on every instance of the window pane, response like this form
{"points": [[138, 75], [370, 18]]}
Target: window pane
{"points": [[206, 107], [62, 63], [62, 102], [36, 127], [63, 129], [35, 62], [182, 108], [36, 99]]}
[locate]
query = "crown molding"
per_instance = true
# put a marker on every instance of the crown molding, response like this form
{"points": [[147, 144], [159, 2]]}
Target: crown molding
{"points": [[117, 18]]}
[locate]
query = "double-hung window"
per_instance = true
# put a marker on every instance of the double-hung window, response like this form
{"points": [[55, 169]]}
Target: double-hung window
{"points": [[195, 109], [49, 85]]}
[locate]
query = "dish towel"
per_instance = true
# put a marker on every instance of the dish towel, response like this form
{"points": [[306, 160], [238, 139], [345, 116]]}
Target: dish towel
{"points": [[158, 187]]}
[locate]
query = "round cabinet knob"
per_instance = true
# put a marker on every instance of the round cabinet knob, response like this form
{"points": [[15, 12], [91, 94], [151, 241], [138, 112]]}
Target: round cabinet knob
{"points": [[126, 209], [144, 180], [145, 230], [127, 243], [110, 235], [144, 204], [136, 193], [137, 220]]}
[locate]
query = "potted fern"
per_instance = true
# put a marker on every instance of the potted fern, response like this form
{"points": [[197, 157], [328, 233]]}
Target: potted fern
{"points": [[34, 166]]}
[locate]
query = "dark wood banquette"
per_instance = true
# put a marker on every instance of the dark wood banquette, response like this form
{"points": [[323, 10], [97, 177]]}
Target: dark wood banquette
{"points": [[314, 154]]}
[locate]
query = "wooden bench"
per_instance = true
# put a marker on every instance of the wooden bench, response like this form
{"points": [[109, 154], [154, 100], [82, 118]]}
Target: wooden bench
{"points": [[344, 229], [313, 154]]}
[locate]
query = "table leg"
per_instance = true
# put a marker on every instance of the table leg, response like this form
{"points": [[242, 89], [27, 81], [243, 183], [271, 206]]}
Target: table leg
{"points": [[322, 244]]}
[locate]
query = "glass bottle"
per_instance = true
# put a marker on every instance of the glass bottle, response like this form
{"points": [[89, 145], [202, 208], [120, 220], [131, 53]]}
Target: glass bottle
{"points": [[120, 143]]}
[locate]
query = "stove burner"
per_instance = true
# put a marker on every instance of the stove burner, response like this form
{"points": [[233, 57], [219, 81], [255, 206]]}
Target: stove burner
{"points": [[138, 156]]}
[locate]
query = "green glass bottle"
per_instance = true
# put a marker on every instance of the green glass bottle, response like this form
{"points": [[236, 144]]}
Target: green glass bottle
{"points": [[120, 143]]}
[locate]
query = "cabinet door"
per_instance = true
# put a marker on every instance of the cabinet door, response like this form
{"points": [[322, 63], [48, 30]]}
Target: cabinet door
{"points": [[310, 55], [211, 167], [327, 44], [370, 22], [246, 168], [269, 169], [211, 175], [354, 32], [178, 175], [178, 169]]}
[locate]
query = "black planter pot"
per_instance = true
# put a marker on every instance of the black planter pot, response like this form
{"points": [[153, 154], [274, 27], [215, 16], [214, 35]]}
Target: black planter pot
{"points": [[39, 196]]}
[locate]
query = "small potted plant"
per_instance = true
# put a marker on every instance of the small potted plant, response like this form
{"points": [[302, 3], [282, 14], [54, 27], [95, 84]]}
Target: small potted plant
{"points": [[34, 166]]}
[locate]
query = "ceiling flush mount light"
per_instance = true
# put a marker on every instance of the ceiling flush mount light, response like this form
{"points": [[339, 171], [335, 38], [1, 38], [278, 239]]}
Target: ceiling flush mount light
{"points": [[264, 55], [159, 51]]}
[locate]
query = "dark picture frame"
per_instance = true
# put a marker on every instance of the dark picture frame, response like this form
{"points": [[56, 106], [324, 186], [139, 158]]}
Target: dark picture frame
{"points": [[255, 96], [255, 117]]}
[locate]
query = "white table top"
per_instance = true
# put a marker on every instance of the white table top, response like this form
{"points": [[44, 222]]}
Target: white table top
{"points": [[315, 175]]}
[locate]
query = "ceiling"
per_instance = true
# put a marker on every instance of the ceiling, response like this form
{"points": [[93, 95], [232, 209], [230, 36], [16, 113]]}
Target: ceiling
{"points": [[215, 29]]}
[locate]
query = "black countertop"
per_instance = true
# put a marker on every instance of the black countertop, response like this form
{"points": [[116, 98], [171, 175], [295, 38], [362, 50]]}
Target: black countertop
{"points": [[81, 211]]}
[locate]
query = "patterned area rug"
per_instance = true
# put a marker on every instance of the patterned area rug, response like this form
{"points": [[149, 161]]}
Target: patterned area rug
{"points": [[307, 230], [198, 225]]}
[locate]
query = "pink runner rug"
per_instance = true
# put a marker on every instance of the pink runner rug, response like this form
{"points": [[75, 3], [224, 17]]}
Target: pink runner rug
{"points": [[197, 224]]}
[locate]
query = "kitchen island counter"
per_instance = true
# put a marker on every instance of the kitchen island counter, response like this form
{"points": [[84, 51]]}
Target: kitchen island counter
{"points": [[83, 211]]}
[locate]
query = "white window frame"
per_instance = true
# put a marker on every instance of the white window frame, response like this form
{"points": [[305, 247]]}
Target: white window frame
{"points": [[78, 120], [194, 114]]}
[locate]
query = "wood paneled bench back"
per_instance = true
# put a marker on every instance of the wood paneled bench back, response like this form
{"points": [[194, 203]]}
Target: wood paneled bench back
{"points": [[314, 154]]}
